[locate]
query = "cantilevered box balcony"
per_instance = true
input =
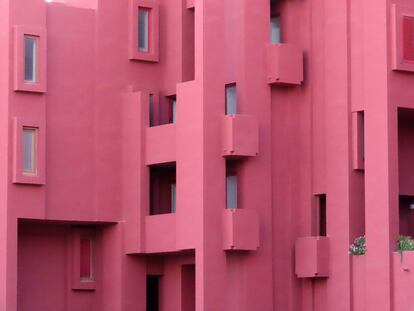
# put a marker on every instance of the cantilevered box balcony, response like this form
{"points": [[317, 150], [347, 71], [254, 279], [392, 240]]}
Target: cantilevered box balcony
{"points": [[240, 229], [312, 257], [240, 136], [403, 280], [160, 144], [160, 233], [284, 64]]}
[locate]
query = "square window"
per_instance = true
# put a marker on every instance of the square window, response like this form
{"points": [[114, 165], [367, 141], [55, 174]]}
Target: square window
{"points": [[29, 151], [231, 99], [30, 58]]}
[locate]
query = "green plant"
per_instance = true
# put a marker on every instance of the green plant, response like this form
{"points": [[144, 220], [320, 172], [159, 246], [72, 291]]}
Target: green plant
{"points": [[359, 247], [405, 243]]}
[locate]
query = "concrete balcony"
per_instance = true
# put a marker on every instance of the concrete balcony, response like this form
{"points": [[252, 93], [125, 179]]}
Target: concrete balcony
{"points": [[240, 136], [160, 233], [403, 275], [312, 257], [284, 64], [160, 144], [240, 230]]}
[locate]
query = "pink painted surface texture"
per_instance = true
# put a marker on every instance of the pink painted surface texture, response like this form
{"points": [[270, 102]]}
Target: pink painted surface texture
{"points": [[126, 209]]}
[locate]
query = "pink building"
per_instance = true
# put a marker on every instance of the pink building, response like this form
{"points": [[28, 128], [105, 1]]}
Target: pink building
{"points": [[209, 155]]}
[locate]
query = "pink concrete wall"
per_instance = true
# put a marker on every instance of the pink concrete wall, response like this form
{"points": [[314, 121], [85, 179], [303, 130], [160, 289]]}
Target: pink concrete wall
{"points": [[95, 113]]}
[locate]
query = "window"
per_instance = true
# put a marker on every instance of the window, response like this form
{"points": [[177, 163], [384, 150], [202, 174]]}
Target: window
{"points": [[30, 45], [29, 151], [408, 41], [163, 189], [151, 110], [358, 136], [85, 259], [231, 99], [173, 197], [84, 252], [172, 109], [275, 29], [321, 215], [30, 58], [143, 29], [231, 191]]}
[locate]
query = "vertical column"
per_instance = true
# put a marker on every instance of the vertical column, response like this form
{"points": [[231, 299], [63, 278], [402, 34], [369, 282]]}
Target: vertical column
{"points": [[4, 146], [381, 158], [255, 183], [135, 174], [210, 257], [337, 120]]}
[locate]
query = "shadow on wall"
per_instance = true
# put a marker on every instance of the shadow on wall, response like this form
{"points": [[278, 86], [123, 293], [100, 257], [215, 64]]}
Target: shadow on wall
{"points": [[85, 4]]}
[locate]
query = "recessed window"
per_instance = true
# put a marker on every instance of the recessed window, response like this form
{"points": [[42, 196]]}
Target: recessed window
{"points": [[321, 215], [163, 189], [29, 150], [231, 191], [358, 133], [143, 29], [85, 259], [30, 58], [172, 109], [231, 99], [173, 197], [275, 29], [408, 41]]}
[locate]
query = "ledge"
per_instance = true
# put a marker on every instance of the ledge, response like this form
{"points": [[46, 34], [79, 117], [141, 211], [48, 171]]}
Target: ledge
{"points": [[240, 136], [284, 64], [240, 230], [312, 257]]}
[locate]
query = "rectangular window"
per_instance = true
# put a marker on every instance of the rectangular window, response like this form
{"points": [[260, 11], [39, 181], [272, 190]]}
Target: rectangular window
{"points": [[408, 41], [231, 99], [172, 118], [358, 137], [231, 191], [173, 197], [321, 215], [275, 29], [29, 150], [85, 258], [30, 58], [153, 292], [143, 29], [151, 110], [162, 189]]}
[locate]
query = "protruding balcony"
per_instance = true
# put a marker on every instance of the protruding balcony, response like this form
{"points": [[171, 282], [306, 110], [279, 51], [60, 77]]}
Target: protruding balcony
{"points": [[403, 276], [312, 257], [160, 236], [284, 64], [240, 229], [240, 136], [160, 144]]}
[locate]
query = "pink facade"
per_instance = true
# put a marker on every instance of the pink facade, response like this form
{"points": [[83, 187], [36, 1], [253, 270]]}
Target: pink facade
{"points": [[206, 155]]}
